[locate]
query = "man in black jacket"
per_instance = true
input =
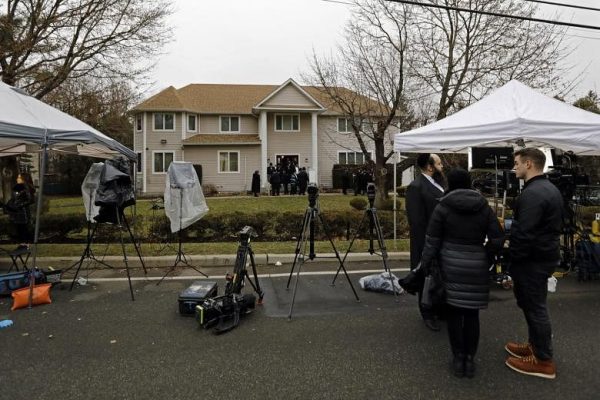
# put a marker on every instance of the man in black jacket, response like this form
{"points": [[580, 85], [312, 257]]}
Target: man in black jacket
{"points": [[422, 196], [534, 254]]}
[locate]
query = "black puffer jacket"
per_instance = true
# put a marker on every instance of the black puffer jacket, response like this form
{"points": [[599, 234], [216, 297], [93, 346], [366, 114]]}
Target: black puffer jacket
{"points": [[455, 237]]}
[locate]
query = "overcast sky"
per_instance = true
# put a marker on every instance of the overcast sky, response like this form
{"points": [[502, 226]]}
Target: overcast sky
{"points": [[269, 41]]}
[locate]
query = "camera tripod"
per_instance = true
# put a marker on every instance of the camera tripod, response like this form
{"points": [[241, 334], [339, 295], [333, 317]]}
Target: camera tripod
{"points": [[88, 254], [181, 257], [374, 226], [308, 235], [233, 304], [121, 221]]}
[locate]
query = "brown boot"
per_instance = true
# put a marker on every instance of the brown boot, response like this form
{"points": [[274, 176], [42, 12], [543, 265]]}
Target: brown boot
{"points": [[532, 366], [519, 350]]}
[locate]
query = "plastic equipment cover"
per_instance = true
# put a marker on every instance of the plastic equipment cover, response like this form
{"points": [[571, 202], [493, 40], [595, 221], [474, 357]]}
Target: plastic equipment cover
{"points": [[380, 283], [88, 190], [184, 200]]}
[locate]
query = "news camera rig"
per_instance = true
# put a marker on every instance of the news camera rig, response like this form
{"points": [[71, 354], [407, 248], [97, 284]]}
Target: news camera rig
{"points": [[223, 312]]}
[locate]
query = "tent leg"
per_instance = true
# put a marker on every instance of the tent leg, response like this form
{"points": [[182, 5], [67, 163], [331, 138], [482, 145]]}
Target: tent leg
{"points": [[38, 210]]}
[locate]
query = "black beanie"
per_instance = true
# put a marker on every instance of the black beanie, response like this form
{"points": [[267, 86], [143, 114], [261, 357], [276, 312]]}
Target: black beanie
{"points": [[458, 178]]}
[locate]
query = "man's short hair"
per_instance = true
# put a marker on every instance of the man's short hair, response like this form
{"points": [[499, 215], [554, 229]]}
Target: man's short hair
{"points": [[424, 159], [536, 156]]}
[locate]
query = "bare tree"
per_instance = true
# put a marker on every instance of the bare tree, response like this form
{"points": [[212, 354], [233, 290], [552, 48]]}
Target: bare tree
{"points": [[366, 81], [461, 56], [44, 43]]}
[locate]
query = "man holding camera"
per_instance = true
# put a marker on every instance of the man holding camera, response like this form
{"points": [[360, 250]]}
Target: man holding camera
{"points": [[422, 196], [534, 254]]}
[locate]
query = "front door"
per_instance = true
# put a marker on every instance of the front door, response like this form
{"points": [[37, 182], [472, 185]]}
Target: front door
{"points": [[286, 160]]}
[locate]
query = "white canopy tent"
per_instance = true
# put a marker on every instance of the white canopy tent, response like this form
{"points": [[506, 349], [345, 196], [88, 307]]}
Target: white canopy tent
{"points": [[512, 115], [25, 121]]}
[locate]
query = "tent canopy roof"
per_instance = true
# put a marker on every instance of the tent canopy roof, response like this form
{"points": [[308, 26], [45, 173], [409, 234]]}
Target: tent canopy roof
{"points": [[513, 114], [26, 120]]}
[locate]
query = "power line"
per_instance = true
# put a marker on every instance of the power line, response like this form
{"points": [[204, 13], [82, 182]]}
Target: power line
{"points": [[564, 5], [494, 14]]}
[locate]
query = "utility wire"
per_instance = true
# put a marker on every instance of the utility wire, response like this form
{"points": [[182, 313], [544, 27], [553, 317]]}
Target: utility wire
{"points": [[564, 5], [494, 14]]}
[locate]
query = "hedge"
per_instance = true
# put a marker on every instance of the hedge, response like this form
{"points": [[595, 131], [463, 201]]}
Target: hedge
{"points": [[270, 226]]}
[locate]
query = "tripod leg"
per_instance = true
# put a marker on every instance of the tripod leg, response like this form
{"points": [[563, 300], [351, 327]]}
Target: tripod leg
{"points": [[349, 248], [124, 252], [383, 249], [87, 248], [370, 212], [337, 255], [299, 245], [257, 288], [135, 244]]}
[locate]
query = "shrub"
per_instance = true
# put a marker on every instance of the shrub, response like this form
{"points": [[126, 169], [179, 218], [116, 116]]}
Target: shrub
{"points": [[210, 190], [359, 203]]}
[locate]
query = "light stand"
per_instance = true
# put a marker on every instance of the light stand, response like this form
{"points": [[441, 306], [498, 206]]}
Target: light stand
{"points": [[374, 225], [308, 235], [180, 258]]}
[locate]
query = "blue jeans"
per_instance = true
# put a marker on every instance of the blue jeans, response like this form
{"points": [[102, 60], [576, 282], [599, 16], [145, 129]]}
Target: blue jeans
{"points": [[530, 284]]}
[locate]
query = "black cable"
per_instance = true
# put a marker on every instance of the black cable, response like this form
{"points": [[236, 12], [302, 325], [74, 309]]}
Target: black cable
{"points": [[494, 14], [564, 5]]}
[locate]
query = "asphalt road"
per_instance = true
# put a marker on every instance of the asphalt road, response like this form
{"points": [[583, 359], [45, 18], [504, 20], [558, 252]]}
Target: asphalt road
{"points": [[95, 343]]}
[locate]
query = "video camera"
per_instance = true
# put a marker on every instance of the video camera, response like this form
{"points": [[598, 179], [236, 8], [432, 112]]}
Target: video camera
{"points": [[567, 179], [313, 194], [371, 192]]}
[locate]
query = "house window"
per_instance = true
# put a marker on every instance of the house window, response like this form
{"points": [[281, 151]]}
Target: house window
{"points": [[162, 160], [229, 161], [230, 124], [351, 157], [138, 164], [191, 123], [287, 122], [139, 122], [344, 125], [164, 121]]}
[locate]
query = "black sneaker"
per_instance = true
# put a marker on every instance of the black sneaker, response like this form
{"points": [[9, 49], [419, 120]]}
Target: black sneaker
{"points": [[432, 324]]}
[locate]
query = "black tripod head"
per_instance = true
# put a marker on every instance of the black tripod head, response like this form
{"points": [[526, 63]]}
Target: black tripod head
{"points": [[371, 192], [246, 234]]}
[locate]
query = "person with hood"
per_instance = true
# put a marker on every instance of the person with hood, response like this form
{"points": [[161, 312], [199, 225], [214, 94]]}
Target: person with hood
{"points": [[456, 234]]}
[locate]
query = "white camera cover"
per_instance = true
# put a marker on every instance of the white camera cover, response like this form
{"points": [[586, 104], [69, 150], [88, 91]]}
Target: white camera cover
{"points": [[184, 200], [88, 190]]}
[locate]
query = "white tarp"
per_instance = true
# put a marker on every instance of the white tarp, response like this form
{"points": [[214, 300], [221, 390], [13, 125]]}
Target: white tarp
{"points": [[184, 200], [24, 119], [90, 185], [512, 114]]}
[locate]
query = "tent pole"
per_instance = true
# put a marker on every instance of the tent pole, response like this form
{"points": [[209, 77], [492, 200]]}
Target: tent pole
{"points": [[38, 210]]}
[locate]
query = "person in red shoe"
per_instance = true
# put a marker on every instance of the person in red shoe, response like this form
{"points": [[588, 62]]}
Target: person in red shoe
{"points": [[534, 254]]}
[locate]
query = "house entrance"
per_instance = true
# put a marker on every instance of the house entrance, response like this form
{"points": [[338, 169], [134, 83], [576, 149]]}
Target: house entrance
{"points": [[285, 160]]}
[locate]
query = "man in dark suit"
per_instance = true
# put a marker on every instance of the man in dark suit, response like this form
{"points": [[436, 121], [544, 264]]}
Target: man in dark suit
{"points": [[422, 197]]}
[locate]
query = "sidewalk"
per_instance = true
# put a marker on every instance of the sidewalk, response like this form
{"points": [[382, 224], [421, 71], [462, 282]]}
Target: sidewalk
{"points": [[214, 260]]}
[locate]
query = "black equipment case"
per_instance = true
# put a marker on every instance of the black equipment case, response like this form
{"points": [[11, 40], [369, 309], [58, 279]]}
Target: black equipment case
{"points": [[194, 295]]}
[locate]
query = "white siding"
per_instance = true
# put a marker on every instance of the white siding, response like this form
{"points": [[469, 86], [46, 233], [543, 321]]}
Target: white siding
{"points": [[290, 96]]}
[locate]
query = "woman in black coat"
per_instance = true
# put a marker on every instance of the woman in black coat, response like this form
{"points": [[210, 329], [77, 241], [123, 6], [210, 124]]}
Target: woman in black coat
{"points": [[256, 183], [455, 238]]}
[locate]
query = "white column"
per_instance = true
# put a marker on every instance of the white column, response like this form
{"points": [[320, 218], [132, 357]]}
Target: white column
{"points": [[262, 133], [314, 145], [144, 163]]}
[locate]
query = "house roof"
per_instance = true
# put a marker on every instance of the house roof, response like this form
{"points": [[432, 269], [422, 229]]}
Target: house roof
{"points": [[220, 139], [230, 98]]}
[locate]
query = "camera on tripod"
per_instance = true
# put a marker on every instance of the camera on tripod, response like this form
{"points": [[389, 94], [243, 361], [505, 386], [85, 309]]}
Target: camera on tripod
{"points": [[246, 234], [371, 192], [567, 180], [313, 194]]}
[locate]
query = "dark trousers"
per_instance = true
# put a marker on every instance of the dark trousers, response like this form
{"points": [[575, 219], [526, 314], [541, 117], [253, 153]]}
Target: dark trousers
{"points": [[22, 233], [463, 329], [275, 189], [530, 284]]}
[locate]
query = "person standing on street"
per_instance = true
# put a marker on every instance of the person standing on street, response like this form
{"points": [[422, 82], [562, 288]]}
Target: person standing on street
{"points": [[422, 196], [456, 234], [534, 254]]}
